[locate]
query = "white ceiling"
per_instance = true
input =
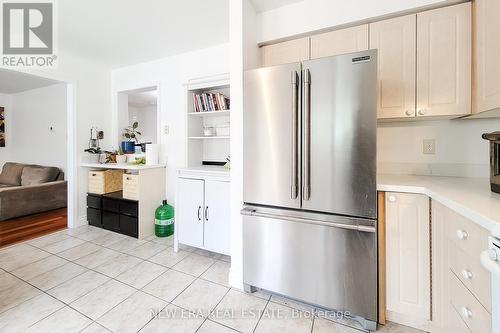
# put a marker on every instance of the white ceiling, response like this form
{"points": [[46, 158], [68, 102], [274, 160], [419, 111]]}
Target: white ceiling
{"points": [[265, 5], [12, 82], [125, 32], [142, 99]]}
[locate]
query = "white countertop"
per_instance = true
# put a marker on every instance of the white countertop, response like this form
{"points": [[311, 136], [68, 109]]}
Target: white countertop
{"points": [[122, 166], [207, 170], [470, 197]]}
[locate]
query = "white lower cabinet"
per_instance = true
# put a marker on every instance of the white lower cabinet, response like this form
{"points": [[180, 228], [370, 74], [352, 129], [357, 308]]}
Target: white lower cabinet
{"points": [[190, 208], [202, 215], [408, 259]]}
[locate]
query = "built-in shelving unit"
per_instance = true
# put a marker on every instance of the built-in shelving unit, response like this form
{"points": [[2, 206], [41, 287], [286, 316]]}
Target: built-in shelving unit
{"points": [[210, 113], [207, 149]]}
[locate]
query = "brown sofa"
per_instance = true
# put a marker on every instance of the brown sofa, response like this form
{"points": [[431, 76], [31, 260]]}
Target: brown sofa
{"points": [[29, 189]]}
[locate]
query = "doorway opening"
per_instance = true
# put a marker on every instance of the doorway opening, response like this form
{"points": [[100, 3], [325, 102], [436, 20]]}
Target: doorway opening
{"points": [[36, 156]]}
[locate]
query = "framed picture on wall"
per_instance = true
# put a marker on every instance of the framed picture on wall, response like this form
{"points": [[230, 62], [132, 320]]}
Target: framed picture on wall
{"points": [[2, 127]]}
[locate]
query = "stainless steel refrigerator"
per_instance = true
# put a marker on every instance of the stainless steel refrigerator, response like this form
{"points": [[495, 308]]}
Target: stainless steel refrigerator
{"points": [[309, 226]]}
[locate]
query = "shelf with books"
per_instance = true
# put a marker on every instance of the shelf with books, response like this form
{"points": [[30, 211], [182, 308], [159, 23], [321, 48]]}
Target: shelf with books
{"points": [[220, 113], [209, 137], [208, 121]]}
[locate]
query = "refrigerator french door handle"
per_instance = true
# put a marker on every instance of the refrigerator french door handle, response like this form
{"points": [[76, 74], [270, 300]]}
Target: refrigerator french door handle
{"points": [[306, 192], [295, 133]]}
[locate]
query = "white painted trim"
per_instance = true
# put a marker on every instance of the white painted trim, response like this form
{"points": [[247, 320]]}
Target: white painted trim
{"points": [[72, 163], [403, 319], [82, 220]]}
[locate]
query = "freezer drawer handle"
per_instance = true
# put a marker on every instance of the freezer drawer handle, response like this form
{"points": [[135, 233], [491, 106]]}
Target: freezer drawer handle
{"points": [[295, 134], [307, 135], [361, 228]]}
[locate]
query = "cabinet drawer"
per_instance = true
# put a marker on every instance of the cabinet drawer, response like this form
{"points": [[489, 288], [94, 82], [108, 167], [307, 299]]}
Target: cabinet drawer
{"points": [[94, 201], [131, 187], [468, 236], [130, 208], [129, 225], [455, 323], [111, 221], [94, 217], [111, 205], [472, 274], [470, 310]]}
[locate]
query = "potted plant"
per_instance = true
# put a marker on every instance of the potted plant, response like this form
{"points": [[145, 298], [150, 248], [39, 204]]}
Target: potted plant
{"points": [[93, 154], [132, 135]]}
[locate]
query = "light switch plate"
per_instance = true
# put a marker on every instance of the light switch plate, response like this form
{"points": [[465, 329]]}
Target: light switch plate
{"points": [[429, 147], [166, 129]]}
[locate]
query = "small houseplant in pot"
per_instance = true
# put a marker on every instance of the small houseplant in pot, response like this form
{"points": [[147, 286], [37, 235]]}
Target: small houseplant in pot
{"points": [[132, 135]]}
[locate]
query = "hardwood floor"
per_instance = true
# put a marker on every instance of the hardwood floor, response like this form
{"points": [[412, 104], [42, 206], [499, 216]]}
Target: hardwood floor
{"points": [[27, 227]]}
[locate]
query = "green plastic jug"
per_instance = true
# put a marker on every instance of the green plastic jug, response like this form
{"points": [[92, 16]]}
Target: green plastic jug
{"points": [[164, 220]]}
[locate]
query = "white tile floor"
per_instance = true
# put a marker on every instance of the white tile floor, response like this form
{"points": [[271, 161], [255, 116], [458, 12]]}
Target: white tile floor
{"points": [[92, 280]]}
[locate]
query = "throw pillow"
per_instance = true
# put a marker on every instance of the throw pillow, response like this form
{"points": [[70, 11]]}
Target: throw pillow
{"points": [[38, 175]]}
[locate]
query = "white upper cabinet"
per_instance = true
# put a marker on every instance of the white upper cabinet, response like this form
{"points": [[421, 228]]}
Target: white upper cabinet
{"points": [[286, 52], [486, 91], [339, 42], [395, 40], [444, 61]]}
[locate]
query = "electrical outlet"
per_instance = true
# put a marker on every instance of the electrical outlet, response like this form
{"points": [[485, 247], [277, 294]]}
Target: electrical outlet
{"points": [[429, 147]]}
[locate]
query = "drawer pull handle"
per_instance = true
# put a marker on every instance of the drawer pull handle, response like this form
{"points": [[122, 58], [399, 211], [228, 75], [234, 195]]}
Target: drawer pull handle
{"points": [[466, 312], [462, 234], [467, 274]]}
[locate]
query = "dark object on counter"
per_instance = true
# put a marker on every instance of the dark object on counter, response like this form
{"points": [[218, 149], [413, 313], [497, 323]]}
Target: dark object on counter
{"points": [[494, 139], [143, 146]]}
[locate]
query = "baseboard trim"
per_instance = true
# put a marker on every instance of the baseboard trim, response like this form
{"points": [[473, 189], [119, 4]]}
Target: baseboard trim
{"points": [[403, 319], [82, 220]]}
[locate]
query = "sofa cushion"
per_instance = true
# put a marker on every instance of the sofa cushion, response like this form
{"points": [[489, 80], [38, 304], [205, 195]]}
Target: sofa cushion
{"points": [[11, 174], [34, 175]]}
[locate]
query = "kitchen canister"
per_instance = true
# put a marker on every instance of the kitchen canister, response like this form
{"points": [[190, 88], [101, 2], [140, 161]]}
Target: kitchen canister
{"points": [[152, 154]]}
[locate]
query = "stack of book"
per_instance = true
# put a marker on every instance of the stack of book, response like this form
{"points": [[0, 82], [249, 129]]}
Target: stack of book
{"points": [[208, 102]]}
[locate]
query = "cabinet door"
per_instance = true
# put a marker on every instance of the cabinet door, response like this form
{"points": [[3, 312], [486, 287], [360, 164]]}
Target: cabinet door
{"points": [[444, 61], [286, 52], [339, 42], [216, 215], [189, 212], [486, 90], [408, 258], [395, 40]]}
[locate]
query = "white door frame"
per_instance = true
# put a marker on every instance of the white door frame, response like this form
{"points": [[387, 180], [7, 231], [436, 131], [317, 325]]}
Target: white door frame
{"points": [[71, 148]]}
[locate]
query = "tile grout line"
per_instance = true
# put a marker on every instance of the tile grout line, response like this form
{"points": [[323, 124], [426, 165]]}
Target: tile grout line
{"points": [[215, 260]]}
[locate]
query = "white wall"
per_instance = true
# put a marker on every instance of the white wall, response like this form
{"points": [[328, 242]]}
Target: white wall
{"points": [[170, 74], [91, 88], [146, 116], [6, 102], [311, 15], [244, 55], [460, 150], [33, 112]]}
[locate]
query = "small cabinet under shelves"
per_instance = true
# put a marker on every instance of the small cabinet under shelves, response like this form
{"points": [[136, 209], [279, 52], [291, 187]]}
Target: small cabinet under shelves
{"points": [[202, 210]]}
